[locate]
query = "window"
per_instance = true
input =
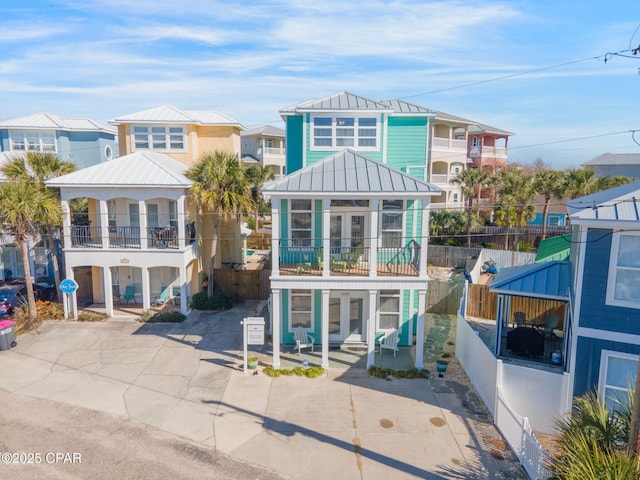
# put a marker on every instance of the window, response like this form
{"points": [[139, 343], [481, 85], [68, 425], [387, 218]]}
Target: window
{"points": [[152, 215], [108, 152], [301, 303], [617, 375], [32, 141], [623, 285], [455, 197], [353, 132], [553, 220], [158, 138], [391, 224], [173, 214], [301, 223], [134, 215], [111, 213], [389, 311]]}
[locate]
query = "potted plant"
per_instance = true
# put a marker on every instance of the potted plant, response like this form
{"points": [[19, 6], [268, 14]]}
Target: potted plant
{"points": [[441, 366], [252, 363]]}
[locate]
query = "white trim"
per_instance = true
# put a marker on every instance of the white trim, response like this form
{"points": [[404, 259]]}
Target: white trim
{"points": [[167, 137], [607, 335], [290, 325], [333, 116], [577, 303], [347, 283], [613, 271], [385, 138], [605, 355], [400, 296], [306, 124], [290, 213]]}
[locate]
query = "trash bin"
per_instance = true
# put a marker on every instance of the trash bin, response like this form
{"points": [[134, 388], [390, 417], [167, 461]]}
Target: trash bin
{"points": [[7, 335]]}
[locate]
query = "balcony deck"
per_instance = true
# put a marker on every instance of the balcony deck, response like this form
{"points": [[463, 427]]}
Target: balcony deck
{"points": [[359, 270]]}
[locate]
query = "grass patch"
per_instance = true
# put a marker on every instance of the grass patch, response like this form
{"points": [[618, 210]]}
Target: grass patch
{"points": [[311, 372], [150, 316], [88, 316], [380, 372]]}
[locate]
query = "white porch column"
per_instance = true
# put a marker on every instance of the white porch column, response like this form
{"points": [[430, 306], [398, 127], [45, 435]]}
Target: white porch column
{"points": [[182, 221], [422, 296], [276, 327], [108, 291], [373, 254], [66, 224], [70, 301], [146, 289], [371, 328], [325, 329], [424, 238], [275, 242], [103, 213], [326, 241], [142, 221], [184, 307]]}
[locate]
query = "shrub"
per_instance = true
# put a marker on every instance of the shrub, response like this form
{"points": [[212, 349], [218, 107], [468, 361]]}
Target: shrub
{"points": [[88, 316], [162, 317], [311, 372], [44, 311], [380, 372], [219, 301]]}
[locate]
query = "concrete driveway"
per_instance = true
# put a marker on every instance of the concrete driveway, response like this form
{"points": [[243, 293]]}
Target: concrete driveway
{"points": [[186, 379]]}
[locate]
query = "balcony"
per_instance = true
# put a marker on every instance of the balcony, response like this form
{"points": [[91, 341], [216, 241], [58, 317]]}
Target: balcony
{"points": [[86, 236], [271, 151], [350, 261], [449, 143], [494, 152], [442, 178]]}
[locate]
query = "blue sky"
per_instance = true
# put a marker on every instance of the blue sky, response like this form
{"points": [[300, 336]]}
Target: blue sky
{"points": [[105, 58]]}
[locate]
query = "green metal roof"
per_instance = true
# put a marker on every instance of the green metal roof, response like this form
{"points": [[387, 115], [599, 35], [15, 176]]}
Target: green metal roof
{"points": [[555, 248]]}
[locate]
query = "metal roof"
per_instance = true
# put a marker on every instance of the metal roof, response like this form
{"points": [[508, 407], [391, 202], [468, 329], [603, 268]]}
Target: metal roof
{"points": [[171, 114], [614, 159], [402, 107], [51, 121], [139, 169], [267, 130], [554, 248], [338, 101], [350, 172], [620, 203], [474, 127], [548, 280]]}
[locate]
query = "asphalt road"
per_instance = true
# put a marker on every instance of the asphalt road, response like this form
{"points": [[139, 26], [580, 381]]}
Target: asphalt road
{"points": [[51, 440]]}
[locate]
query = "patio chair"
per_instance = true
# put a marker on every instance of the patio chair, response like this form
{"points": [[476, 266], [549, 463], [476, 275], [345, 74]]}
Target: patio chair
{"points": [[550, 323], [115, 290], [303, 339], [129, 294], [520, 319], [164, 297], [390, 341]]}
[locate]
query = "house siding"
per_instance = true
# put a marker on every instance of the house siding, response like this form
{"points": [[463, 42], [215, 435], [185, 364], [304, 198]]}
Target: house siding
{"points": [[594, 313], [588, 355], [294, 143], [407, 142]]}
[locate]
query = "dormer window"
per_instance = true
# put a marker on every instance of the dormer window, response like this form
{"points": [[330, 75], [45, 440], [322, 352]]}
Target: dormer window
{"points": [[332, 133], [158, 138]]}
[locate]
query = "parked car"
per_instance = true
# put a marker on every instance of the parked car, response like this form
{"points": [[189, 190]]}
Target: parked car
{"points": [[12, 296]]}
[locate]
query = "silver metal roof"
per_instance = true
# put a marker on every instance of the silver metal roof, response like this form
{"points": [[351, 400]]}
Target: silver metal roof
{"points": [[350, 172], [338, 101], [614, 159], [171, 114], [402, 107], [139, 169], [474, 127], [267, 130], [51, 121], [538, 280], [620, 203]]}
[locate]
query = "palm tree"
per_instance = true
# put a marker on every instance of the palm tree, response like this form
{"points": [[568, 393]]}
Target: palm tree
{"points": [[258, 175], [220, 188], [23, 208], [37, 168], [472, 181], [582, 181], [550, 184], [516, 190], [592, 442]]}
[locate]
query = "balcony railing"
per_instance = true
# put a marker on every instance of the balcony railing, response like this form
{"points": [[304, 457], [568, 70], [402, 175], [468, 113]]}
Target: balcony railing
{"points": [[349, 261], [124, 237], [163, 237], [86, 236], [449, 143], [270, 151], [488, 151]]}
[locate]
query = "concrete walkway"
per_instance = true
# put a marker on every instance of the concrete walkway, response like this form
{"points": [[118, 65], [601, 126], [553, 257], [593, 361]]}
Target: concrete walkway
{"points": [[187, 379]]}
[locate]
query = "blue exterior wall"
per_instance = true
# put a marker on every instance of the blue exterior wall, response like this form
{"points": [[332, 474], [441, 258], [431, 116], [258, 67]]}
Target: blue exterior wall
{"points": [[4, 140], [538, 219], [594, 313], [294, 143], [588, 354]]}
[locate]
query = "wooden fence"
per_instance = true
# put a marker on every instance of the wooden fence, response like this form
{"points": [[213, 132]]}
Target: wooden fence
{"points": [[244, 284], [484, 304], [444, 296]]}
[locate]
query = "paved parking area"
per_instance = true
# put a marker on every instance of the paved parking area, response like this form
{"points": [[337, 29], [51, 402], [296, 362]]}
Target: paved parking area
{"points": [[186, 379]]}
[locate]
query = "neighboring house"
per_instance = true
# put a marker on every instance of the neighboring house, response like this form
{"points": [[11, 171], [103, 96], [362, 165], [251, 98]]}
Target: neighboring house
{"points": [[84, 141], [185, 135], [265, 146], [349, 228], [556, 215], [138, 234], [456, 144], [616, 165]]}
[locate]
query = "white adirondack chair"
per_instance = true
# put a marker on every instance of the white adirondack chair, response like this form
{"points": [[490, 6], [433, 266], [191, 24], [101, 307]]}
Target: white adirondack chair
{"points": [[390, 341], [303, 339]]}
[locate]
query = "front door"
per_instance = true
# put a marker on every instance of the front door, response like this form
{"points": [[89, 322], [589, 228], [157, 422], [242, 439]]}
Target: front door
{"points": [[347, 317], [347, 232]]}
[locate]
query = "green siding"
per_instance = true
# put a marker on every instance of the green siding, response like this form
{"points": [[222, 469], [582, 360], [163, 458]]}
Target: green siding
{"points": [[407, 142], [317, 220], [405, 316], [408, 232], [294, 143], [286, 336]]}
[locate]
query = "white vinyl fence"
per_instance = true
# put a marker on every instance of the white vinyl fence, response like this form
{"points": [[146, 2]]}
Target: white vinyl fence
{"points": [[519, 398]]}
